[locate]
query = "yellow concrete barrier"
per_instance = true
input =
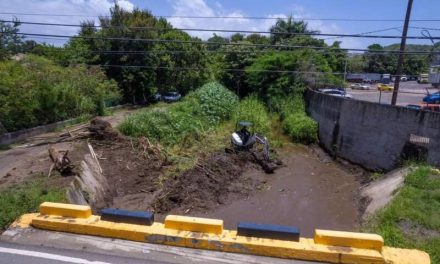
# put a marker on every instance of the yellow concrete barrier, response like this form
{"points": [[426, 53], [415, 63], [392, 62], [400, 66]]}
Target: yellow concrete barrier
{"points": [[348, 239], [67, 210], [208, 236], [194, 224]]}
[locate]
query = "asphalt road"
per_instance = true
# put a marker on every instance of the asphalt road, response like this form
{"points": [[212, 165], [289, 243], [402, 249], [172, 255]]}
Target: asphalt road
{"points": [[409, 93], [20, 254]]}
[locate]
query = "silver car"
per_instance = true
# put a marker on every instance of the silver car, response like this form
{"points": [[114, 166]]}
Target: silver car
{"points": [[360, 86], [336, 92]]}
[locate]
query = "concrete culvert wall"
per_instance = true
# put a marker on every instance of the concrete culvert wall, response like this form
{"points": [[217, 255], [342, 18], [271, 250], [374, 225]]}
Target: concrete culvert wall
{"points": [[90, 186], [371, 134]]}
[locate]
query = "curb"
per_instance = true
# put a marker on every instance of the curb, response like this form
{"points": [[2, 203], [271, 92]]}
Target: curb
{"points": [[209, 234]]}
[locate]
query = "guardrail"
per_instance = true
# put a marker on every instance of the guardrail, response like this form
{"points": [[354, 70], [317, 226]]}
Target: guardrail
{"points": [[209, 234]]}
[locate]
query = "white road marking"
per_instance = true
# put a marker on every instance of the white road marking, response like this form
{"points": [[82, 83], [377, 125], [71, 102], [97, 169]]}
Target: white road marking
{"points": [[37, 254]]}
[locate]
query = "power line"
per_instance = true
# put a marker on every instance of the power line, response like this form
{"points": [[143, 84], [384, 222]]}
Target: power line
{"points": [[131, 52], [230, 17], [200, 42], [224, 69], [369, 32], [205, 69], [235, 31], [426, 28]]}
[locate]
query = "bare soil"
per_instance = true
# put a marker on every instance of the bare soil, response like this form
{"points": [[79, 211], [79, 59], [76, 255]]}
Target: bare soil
{"points": [[21, 162], [214, 181]]}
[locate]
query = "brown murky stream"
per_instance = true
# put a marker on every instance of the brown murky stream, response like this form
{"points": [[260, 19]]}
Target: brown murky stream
{"points": [[307, 193]]}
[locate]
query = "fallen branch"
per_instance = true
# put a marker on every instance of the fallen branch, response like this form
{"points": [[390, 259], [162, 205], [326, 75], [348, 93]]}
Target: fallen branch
{"points": [[60, 161]]}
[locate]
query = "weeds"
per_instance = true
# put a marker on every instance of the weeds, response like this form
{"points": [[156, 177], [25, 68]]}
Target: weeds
{"points": [[301, 128], [18, 200], [252, 110], [199, 112], [294, 121], [417, 205]]}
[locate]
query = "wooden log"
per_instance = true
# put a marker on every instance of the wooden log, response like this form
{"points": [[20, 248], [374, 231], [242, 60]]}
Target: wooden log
{"points": [[61, 161]]}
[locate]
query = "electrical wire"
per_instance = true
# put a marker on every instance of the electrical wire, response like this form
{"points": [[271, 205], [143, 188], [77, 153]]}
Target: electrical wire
{"points": [[200, 42], [229, 17], [233, 31]]}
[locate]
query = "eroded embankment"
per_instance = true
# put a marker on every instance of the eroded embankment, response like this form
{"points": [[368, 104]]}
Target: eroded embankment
{"points": [[310, 191]]}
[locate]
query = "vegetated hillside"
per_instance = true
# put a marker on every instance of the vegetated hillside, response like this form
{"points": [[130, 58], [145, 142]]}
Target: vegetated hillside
{"points": [[414, 47], [36, 91], [412, 219]]}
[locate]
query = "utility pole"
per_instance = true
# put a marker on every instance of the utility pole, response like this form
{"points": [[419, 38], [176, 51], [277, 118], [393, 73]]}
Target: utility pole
{"points": [[402, 53]]}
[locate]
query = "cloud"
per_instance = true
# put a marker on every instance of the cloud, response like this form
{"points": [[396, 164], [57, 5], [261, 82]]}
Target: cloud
{"points": [[201, 8], [86, 9]]}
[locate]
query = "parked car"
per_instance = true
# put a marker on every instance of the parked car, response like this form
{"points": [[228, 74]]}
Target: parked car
{"points": [[432, 98], [403, 78], [425, 107], [336, 92], [157, 97], [171, 97], [384, 87], [360, 86]]}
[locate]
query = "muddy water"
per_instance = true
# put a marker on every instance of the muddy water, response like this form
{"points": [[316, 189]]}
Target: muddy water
{"points": [[307, 193]]}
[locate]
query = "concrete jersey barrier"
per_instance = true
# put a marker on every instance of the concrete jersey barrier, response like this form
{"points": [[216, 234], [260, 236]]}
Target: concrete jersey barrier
{"points": [[201, 233]]}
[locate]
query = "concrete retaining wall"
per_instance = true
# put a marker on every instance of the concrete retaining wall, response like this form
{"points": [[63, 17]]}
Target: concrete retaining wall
{"points": [[9, 138], [371, 134]]}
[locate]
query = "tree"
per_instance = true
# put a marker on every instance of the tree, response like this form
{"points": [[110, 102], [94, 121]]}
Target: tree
{"points": [[235, 59], [184, 70], [10, 41], [287, 28], [237, 37], [257, 39], [279, 74], [218, 39]]}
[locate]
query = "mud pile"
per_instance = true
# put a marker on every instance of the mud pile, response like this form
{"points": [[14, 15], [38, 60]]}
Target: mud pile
{"points": [[208, 184]]}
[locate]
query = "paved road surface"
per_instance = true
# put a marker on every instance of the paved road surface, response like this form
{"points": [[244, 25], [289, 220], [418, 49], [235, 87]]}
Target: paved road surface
{"points": [[20, 254], [409, 93], [35, 246]]}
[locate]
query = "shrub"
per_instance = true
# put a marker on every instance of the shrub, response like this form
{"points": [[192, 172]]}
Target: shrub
{"points": [[35, 91], [216, 102], [168, 126], [253, 110], [197, 113], [301, 128], [293, 104]]}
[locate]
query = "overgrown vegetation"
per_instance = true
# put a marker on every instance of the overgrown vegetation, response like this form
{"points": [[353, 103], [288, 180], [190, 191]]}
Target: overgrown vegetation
{"points": [[253, 110], [26, 198], [199, 112], [412, 219], [35, 91]]}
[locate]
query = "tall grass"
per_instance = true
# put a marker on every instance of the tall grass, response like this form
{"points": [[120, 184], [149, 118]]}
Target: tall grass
{"points": [[26, 198], [417, 204], [199, 112], [294, 121], [253, 110]]}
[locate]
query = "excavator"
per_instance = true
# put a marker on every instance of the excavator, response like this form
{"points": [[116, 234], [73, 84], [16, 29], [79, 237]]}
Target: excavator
{"points": [[244, 139]]}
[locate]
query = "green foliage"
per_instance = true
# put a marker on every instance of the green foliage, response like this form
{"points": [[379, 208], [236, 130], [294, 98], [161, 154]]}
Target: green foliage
{"points": [[301, 128], [18, 200], [197, 113], [417, 203], [253, 110], [387, 63], [34, 91], [293, 70], [10, 41], [216, 102], [164, 69]]}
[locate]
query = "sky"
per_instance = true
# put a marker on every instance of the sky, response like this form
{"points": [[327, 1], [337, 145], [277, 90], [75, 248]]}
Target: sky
{"points": [[81, 10]]}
